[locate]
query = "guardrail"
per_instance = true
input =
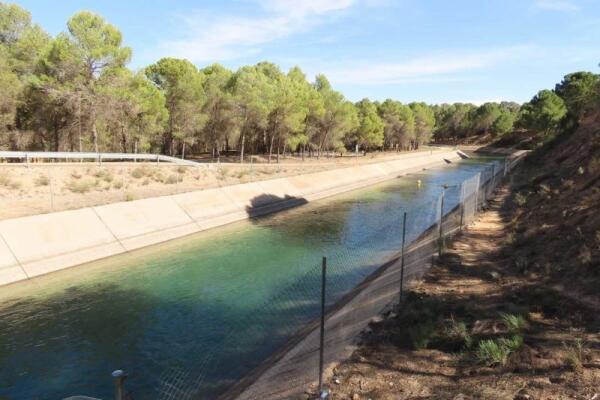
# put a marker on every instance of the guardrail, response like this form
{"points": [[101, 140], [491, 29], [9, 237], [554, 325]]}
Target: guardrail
{"points": [[99, 157]]}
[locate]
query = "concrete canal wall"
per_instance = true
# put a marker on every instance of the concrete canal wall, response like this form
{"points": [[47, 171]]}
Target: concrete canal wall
{"points": [[40, 244]]}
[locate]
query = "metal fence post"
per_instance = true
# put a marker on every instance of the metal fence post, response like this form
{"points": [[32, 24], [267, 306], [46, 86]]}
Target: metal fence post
{"points": [[462, 205], [402, 257], [477, 193], [493, 175], [441, 244], [119, 377], [322, 339]]}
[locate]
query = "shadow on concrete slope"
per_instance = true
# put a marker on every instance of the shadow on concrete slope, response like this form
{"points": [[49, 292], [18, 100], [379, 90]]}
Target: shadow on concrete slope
{"points": [[270, 203]]}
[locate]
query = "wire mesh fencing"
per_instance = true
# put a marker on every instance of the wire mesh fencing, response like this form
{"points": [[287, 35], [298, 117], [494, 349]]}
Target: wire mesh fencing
{"points": [[417, 237], [289, 346]]}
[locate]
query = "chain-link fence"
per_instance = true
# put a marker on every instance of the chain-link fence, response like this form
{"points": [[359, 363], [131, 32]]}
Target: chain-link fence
{"points": [[289, 348]]}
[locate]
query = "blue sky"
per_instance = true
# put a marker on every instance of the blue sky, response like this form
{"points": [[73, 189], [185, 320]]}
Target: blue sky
{"points": [[411, 50]]}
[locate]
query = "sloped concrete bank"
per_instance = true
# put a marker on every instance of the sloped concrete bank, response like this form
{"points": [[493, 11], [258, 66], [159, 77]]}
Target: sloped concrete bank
{"points": [[40, 244]]}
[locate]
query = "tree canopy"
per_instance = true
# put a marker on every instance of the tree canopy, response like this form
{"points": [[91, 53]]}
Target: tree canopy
{"points": [[74, 91]]}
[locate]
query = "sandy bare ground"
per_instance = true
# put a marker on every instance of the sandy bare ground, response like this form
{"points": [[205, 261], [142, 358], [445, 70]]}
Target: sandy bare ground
{"points": [[428, 349], [47, 187]]}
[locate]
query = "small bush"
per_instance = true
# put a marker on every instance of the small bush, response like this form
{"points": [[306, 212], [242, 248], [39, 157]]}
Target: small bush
{"points": [[575, 355], [15, 185], [141, 172], [118, 184], [421, 334], [458, 331], [496, 352], [158, 177], [129, 197], [221, 174], [514, 323], [520, 199], [181, 169], [4, 179], [81, 186], [7, 181], [490, 352], [146, 182], [104, 175], [76, 175], [171, 179], [42, 180], [512, 344]]}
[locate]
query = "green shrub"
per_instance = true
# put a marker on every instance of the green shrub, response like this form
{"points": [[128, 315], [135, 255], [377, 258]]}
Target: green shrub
{"points": [[512, 344], [490, 352], [496, 352], [421, 334], [514, 323], [129, 197], [458, 331]]}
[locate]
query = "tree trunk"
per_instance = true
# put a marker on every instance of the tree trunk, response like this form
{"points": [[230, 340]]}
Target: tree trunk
{"points": [[79, 126], [242, 146], [271, 149], [123, 139], [56, 137], [94, 130]]}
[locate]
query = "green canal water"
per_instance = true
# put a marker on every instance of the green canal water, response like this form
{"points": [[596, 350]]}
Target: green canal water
{"points": [[194, 315]]}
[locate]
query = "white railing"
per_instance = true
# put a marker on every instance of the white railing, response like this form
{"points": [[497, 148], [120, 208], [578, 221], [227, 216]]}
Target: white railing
{"points": [[26, 156]]}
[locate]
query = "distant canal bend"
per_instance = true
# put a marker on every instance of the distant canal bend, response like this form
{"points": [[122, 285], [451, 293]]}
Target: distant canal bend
{"points": [[200, 312]]}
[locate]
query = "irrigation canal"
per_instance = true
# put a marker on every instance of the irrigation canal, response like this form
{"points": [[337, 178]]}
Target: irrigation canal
{"points": [[200, 312]]}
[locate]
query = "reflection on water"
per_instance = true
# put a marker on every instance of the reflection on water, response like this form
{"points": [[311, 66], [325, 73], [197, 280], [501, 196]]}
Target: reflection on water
{"points": [[210, 306]]}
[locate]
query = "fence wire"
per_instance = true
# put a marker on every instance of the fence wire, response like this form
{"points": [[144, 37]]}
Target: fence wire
{"points": [[284, 358]]}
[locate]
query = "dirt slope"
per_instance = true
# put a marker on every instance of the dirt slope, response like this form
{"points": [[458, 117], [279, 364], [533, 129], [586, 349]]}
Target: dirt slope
{"points": [[555, 221]]}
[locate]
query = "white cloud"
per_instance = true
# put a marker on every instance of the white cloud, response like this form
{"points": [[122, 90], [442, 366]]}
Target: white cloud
{"points": [[301, 8], [443, 67], [557, 5], [210, 38]]}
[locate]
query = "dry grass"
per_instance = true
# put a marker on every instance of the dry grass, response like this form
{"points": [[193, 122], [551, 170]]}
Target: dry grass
{"points": [[34, 190]]}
